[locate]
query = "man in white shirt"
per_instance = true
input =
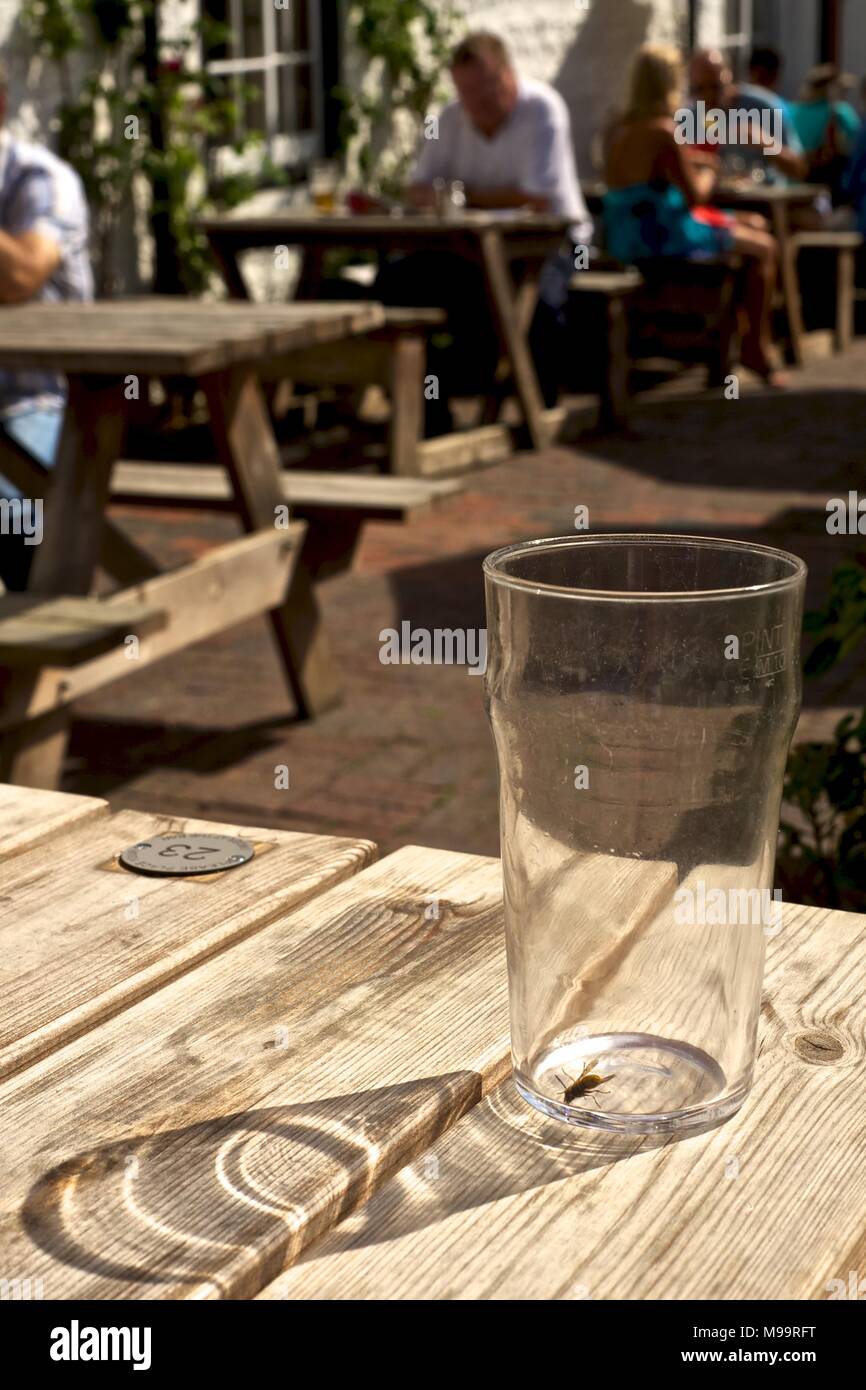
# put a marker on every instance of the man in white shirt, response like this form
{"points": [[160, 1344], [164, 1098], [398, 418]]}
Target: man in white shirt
{"points": [[506, 138], [508, 141]]}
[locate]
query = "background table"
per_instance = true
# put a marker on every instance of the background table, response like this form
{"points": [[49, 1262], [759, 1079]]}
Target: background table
{"points": [[491, 242], [107, 351], [776, 202], [303, 1062]]}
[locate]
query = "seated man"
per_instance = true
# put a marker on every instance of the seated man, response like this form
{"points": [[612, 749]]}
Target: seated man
{"points": [[713, 85], [508, 141], [43, 255]]}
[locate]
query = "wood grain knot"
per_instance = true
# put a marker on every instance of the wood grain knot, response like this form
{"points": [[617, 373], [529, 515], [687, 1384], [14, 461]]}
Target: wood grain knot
{"points": [[818, 1048]]}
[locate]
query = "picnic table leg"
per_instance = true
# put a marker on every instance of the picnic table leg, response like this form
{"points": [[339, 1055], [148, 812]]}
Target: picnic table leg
{"points": [[526, 302], [226, 258], [92, 439], [406, 388], [845, 294], [504, 308], [790, 283], [312, 272], [614, 403], [248, 450]]}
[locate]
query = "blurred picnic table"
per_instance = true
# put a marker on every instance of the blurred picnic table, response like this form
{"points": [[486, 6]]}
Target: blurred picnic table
{"points": [[291, 1079], [777, 202], [54, 653], [492, 241]]}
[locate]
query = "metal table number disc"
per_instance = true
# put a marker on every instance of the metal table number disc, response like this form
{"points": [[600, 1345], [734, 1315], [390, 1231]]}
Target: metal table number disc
{"points": [[187, 854]]}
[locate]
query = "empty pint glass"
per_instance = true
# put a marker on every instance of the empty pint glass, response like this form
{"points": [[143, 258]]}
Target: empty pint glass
{"points": [[643, 692]]}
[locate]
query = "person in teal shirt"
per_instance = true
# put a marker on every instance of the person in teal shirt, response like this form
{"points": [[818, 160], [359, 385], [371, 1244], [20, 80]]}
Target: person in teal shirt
{"points": [[828, 129]]}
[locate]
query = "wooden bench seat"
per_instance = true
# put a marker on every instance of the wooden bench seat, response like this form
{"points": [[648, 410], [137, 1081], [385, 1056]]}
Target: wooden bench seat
{"points": [[312, 496], [844, 245], [37, 630], [682, 309], [610, 289], [334, 506]]}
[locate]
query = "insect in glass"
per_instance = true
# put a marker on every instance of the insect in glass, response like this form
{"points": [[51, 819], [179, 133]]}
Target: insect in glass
{"points": [[587, 1082]]}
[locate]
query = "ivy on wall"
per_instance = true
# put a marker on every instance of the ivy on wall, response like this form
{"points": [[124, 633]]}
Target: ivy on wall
{"points": [[145, 110], [823, 850], [406, 45]]}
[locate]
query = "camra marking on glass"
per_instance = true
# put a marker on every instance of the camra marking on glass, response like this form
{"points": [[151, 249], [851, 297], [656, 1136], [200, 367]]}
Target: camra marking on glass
{"points": [[763, 653]]}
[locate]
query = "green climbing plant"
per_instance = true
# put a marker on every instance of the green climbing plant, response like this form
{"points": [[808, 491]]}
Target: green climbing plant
{"points": [[823, 844], [406, 45], [140, 111]]}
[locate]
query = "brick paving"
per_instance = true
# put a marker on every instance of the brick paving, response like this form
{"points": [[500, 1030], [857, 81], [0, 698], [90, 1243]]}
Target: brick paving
{"points": [[407, 758]]}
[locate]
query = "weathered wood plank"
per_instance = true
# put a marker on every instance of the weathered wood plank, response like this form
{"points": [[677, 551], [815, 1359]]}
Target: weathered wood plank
{"points": [[170, 336], [194, 1144], [208, 485], [344, 227], [39, 631], [771, 1205], [230, 584], [28, 817], [83, 938]]}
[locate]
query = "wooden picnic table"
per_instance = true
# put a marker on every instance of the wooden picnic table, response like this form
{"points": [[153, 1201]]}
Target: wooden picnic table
{"points": [[776, 202], [107, 350], [291, 1080], [492, 241]]}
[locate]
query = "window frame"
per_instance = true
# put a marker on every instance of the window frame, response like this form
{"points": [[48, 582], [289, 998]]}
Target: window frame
{"points": [[288, 148], [737, 43]]}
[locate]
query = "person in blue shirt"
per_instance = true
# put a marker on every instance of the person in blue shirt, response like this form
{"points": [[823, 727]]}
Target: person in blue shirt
{"points": [[44, 235], [765, 72]]}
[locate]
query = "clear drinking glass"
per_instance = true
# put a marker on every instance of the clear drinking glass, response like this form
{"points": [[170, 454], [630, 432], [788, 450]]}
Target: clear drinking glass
{"points": [[643, 692], [324, 184]]}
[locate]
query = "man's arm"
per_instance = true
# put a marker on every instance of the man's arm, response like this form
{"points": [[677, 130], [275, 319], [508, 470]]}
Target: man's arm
{"points": [[27, 261], [495, 198]]}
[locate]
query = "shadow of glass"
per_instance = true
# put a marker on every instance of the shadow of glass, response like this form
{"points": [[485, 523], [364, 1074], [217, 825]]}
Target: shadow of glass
{"points": [[221, 1207], [502, 1149]]}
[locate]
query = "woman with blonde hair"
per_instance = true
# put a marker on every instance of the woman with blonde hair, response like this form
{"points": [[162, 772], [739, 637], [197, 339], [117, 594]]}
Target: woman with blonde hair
{"points": [[656, 189]]}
